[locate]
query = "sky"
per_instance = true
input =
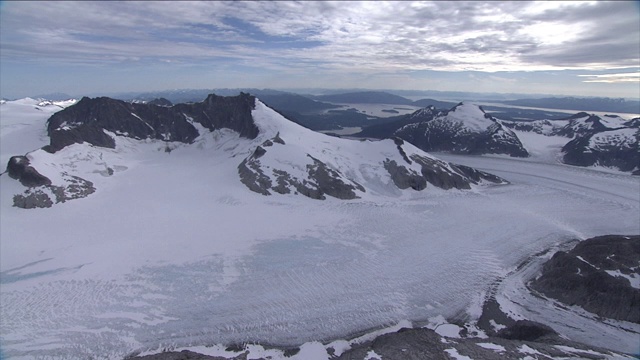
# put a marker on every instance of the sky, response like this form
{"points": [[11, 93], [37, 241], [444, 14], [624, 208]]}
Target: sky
{"points": [[81, 47]]}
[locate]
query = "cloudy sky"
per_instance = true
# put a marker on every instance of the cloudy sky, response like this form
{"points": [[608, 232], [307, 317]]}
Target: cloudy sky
{"points": [[572, 48]]}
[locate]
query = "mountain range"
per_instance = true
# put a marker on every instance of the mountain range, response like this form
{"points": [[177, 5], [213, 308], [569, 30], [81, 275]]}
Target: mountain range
{"points": [[591, 140], [143, 227], [277, 155]]}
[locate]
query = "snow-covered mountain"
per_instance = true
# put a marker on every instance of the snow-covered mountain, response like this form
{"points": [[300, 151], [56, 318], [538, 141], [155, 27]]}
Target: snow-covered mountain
{"points": [[173, 250], [590, 140], [273, 154], [465, 129]]}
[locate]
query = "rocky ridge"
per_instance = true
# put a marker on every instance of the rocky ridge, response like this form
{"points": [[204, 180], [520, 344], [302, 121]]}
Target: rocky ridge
{"points": [[601, 275]]}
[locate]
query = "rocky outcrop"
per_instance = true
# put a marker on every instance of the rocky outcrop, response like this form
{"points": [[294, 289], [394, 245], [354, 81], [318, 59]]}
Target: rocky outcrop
{"points": [[425, 343], [526, 330], [19, 168], [596, 275], [320, 175], [46, 195], [465, 129], [613, 148], [87, 120], [320, 179], [160, 102]]}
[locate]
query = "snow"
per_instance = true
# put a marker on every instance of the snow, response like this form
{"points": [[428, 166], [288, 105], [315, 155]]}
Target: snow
{"points": [[612, 121], [172, 251], [371, 355], [457, 356], [634, 279], [624, 138], [23, 126], [492, 346], [471, 116], [542, 147]]}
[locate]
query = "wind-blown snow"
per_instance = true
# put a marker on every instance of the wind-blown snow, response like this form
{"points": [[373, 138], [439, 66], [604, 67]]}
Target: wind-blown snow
{"points": [[172, 250]]}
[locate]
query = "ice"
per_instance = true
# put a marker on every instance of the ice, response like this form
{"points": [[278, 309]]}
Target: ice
{"points": [[173, 251]]}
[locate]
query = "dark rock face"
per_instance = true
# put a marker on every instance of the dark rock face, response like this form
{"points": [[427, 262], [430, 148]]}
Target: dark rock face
{"points": [[526, 330], [407, 344], [580, 277], [607, 150], [444, 132], [20, 169], [403, 177], [90, 133], [87, 120], [160, 102]]}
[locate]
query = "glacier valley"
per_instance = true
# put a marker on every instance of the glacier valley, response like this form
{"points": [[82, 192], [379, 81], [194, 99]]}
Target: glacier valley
{"points": [[173, 251]]}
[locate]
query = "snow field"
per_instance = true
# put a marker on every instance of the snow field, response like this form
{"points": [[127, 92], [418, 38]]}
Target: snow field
{"points": [[173, 251]]}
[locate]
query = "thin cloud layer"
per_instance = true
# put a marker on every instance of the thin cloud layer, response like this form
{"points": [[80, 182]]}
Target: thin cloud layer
{"points": [[342, 39], [495, 36]]}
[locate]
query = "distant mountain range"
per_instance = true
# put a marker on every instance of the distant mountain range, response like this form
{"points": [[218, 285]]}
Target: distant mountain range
{"points": [[583, 104]]}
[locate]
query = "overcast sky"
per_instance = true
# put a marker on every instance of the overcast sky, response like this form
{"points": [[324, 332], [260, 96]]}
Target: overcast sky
{"points": [[572, 48]]}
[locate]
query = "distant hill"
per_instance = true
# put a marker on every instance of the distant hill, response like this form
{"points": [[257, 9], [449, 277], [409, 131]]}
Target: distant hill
{"points": [[294, 103], [58, 96], [365, 97], [583, 104], [445, 105]]}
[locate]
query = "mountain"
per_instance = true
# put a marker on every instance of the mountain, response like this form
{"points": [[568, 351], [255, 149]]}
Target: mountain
{"points": [[57, 96], [435, 103], [294, 103], [274, 154], [464, 129], [156, 245], [610, 148], [388, 129], [365, 97], [592, 140]]}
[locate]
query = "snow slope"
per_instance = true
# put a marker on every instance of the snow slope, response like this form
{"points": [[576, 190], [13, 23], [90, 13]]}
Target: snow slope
{"points": [[172, 250], [22, 125]]}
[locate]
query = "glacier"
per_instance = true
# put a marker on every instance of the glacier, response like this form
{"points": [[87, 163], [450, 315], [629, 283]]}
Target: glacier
{"points": [[173, 251]]}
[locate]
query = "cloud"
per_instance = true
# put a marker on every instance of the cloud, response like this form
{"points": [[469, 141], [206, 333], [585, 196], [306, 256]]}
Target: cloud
{"points": [[633, 77], [332, 36]]}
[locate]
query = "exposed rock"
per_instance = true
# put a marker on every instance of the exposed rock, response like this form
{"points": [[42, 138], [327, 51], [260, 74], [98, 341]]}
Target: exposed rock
{"points": [[330, 181], [160, 102], [526, 330], [585, 276], [47, 195], [90, 133], [187, 355], [403, 177], [86, 120], [406, 344], [19, 168]]}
